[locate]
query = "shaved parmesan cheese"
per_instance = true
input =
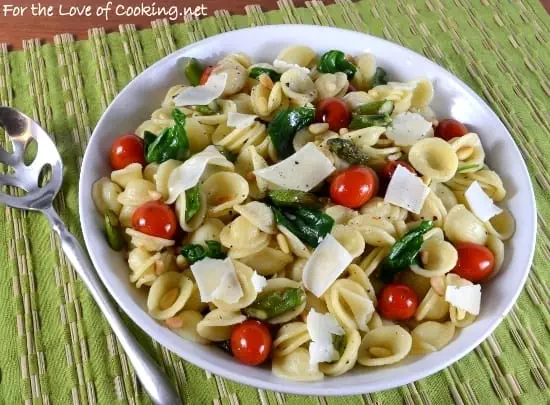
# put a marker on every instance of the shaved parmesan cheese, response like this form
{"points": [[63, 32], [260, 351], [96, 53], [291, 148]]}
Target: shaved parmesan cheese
{"points": [[406, 190], [467, 298], [202, 95], [322, 352], [281, 66], [217, 279], [480, 203], [325, 264], [189, 173], [301, 171], [259, 282], [321, 327], [408, 128], [239, 120], [259, 214]]}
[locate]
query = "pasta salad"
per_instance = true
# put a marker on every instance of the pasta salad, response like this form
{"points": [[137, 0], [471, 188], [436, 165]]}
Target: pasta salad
{"points": [[308, 212]]}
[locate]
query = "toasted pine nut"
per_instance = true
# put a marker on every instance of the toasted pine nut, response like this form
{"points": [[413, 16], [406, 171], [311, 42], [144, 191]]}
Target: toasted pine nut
{"points": [[283, 243], [266, 81], [378, 351], [181, 262], [318, 128]]}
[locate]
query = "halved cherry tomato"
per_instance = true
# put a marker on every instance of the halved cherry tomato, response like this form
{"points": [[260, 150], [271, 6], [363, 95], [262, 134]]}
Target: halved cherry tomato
{"points": [[354, 186], [127, 149], [450, 128], [397, 302], [335, 112], [475, 262], [205, 75], [391, 165], [156, 219], [251, 342]]}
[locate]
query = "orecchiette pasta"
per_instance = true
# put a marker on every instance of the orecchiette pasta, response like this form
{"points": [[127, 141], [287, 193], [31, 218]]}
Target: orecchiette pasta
{"points": [[317, 253], [384, 345]]}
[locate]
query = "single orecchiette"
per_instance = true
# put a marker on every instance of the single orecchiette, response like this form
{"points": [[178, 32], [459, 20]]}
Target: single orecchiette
{"points": [[366, 68], [502, 225], [434, 158], [137, 192], [148, 242], [290, 337], [268, 261], [297, 54], [348, 358], [438, 257], [105, 194], [350, 304], [331, 85], [216, 326], [123, 176], [162, 174], [168, 294], [376, 231], [432, 307], [209, 230], [349, 237], [236, 73], [185, 325], [298, 87], [243, 238], [384, 345], [469, 151], [295, 366], [223, 191], [431, 336], [463, 226], [340, 214], [377, 207], [142, 266], [373, 259]]}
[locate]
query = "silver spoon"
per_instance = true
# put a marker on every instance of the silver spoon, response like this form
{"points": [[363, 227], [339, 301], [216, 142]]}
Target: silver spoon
{"points": [[21, 129]]}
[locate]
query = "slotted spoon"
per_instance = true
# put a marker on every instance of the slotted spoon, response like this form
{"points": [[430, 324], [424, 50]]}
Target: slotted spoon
{"points": [[20, 130]]}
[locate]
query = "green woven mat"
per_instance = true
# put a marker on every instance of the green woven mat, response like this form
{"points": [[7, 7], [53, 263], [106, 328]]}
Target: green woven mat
{"points": [[55, 347]]}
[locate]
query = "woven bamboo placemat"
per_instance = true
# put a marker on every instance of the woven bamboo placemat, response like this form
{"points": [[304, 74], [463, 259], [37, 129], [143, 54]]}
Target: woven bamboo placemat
{"points": [[55, 346]]}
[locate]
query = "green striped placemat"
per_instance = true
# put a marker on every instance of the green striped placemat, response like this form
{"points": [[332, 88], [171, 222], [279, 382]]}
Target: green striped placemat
{"points": [[55, 348]]}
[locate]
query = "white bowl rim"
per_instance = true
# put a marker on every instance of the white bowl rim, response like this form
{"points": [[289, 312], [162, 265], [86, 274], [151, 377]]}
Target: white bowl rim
{"points": [[306, 388]]}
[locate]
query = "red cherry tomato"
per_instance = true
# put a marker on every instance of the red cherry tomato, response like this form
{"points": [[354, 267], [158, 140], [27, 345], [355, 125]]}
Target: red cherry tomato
{"points": [[334, 112], [354, 186], [391, 165], [156, 219], [449, 128], [205, 75], [397, 302], [251, 342], [127, 149], [475, 262]]}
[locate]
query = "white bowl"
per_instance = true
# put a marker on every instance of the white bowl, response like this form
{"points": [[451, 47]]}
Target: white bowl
{"points": [[452, 99]]}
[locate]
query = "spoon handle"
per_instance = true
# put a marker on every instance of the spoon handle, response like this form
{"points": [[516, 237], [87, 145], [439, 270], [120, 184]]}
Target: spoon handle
{"points": [[153, 380]]}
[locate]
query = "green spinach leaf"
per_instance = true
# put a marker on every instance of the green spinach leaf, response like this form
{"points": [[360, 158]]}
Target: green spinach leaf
{"points": [[192, 202], [194, 252], [308, 224], [335, 61], [172, 143], [284, 126], [404, 252], [256, 71]]}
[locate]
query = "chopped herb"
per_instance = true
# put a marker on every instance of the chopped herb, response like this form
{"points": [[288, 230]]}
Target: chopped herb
{"points": [[192, 202]]}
